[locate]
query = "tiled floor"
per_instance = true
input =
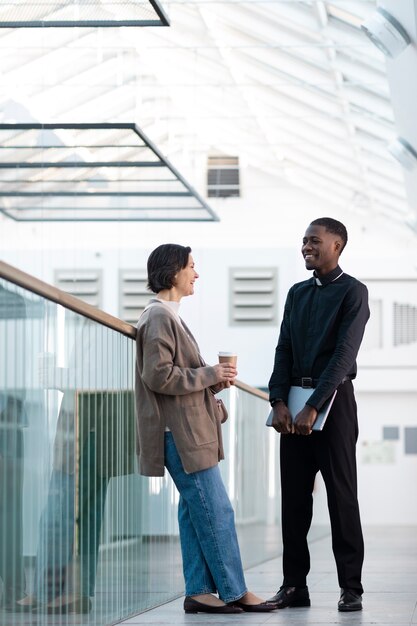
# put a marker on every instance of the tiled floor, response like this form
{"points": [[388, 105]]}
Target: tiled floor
{"points": [[390, 581]]}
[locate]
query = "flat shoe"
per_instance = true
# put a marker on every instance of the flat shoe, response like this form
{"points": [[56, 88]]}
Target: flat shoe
{"points": [[262, 607], [193, 606]]}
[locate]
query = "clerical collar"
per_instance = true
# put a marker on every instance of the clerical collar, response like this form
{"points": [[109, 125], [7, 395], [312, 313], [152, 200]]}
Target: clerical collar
{"points": [[328, 278]]}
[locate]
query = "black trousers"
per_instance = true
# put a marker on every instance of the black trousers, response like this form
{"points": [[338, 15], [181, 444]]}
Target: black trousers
{"points": [[333, 453]]}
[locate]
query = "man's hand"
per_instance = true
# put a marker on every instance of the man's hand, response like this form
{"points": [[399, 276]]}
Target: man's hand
{"points": [[281, 419], [304, 420]]}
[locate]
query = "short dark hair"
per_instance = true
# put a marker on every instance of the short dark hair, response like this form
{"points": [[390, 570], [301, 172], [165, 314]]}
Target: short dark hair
{"points": [[334, 227], [163, 263]]}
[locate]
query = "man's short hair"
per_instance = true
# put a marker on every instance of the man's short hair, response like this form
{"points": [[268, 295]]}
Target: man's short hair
{"points": [[334, 227], [164, 263]]}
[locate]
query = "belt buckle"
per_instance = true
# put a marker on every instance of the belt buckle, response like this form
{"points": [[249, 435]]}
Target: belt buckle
{"points": [[306, 382]]}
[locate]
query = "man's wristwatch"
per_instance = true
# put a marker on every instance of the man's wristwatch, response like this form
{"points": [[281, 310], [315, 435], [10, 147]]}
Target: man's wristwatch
{"points": [[275, 401]]}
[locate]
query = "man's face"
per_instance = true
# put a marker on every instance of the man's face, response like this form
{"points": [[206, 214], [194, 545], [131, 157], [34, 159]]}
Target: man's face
{"points": [[320, 249]]}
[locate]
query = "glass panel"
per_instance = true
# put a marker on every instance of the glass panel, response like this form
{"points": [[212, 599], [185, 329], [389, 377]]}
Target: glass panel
{"points": [[81, 172], [251, 474], [78, 525]]}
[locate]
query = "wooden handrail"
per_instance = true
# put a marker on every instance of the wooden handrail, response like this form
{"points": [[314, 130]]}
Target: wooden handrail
{"points": [[17, 277], [252, 390]]}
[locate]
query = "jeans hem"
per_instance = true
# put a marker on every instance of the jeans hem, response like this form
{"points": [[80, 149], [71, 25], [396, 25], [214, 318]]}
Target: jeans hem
{"points": [[238, 597], [199, 593]]}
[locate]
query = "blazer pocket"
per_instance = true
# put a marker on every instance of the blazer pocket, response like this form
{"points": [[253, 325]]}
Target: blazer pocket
{"points": [[199, 425]]}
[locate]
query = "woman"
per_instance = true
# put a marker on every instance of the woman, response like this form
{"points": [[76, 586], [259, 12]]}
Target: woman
{"points": [[179, 428]]}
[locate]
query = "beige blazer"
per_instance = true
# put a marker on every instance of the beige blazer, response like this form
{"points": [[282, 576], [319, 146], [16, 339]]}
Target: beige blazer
{"points": [[175, 389]]}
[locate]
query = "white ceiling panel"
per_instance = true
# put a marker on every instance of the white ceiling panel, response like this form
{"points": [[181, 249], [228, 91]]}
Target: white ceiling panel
{"points": [[291, 86]]}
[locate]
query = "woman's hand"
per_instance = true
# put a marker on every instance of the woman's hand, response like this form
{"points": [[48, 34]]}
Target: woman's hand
{"points": [[226, 373]]}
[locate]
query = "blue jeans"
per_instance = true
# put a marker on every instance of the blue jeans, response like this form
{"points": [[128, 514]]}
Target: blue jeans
{"points": [[209, 546]]}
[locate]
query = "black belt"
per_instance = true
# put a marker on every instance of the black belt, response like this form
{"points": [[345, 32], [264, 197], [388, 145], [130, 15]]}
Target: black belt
{"points": [[309, 383]]}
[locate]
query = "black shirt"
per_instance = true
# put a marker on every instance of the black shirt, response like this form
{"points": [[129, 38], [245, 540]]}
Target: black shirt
{"points": [[320, 335]]}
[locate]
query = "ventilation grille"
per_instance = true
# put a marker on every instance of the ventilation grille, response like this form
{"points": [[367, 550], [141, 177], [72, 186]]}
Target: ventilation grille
{"points": [[253, 296], [84, 284], [134, 295], [405, 324], [223, 177]]}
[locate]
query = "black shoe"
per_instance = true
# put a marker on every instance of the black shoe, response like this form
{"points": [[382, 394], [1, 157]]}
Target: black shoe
{"points": [[262, 607], [193, 606], [291, 597], [350, 600]]}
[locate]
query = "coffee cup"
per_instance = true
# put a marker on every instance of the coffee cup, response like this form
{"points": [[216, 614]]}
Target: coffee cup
{"points": [[228, 357]]}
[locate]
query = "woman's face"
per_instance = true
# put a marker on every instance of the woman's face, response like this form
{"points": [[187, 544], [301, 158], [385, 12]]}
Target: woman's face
{"points": [[185, 279]]}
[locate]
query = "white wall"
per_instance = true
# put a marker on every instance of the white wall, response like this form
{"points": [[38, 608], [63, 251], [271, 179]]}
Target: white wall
{"points": [[386, 475]]}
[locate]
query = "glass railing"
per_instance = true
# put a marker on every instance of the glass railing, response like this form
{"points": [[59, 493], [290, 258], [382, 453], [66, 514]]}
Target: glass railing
{"points": [[251, 473], [83, 538]]}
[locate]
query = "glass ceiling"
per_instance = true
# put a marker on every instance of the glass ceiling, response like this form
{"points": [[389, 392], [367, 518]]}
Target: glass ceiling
{"points": [[57, 13], [291, 87], [81, 172]]}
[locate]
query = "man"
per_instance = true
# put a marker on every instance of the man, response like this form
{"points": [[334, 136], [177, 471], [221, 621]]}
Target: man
{"points": [[322, 329]]}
